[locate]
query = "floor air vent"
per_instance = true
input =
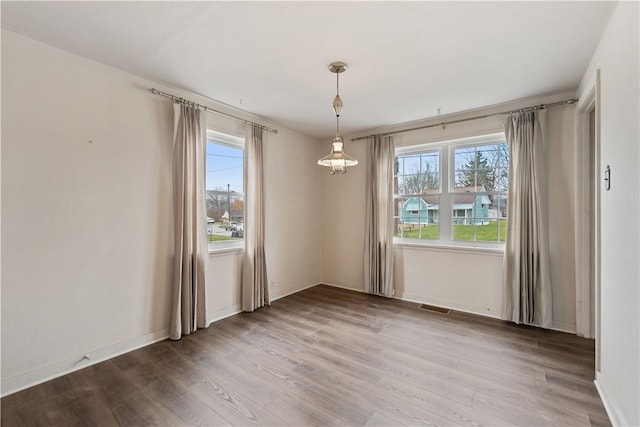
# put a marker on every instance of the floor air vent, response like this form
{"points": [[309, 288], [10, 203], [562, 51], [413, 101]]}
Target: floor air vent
{"points": [[435, 309]]}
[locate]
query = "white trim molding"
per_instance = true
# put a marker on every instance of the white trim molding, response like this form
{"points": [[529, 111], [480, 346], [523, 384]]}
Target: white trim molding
{"points": [[584, 235], [615, 415], [58, 369], [295, 291], [223, 314]]}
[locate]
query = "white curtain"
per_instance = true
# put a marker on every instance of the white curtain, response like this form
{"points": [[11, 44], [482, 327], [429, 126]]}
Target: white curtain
{"points": [[255, 284], [188, 312], [527, 278], [378, 246]]}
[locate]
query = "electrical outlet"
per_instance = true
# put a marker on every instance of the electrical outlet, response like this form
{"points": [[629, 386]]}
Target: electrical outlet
{"points": [[272, 285]]}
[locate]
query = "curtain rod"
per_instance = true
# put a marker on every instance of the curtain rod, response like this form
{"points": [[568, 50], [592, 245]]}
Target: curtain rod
{"points": [[444, 124], [204, 107]]}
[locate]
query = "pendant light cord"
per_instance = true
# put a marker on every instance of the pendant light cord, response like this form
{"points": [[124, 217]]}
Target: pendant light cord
{"points": [[337, 114]]}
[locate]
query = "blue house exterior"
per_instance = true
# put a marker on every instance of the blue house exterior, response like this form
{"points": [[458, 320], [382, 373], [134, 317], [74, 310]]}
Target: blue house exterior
{"points": [[471, 210], [416, 210], [467, 210]]}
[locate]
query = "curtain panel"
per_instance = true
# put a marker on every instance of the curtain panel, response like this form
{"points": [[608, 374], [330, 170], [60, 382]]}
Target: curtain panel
{"points": [[378, 246], [255, 283], [189, 221], [527, 278]]}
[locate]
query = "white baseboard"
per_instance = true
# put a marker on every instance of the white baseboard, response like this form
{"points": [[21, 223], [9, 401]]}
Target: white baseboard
{"points": [[615, 416], [562, 326], [54, 370], [349, 287], [224, 313], [294, 291], [447, 304], [419, 300]]}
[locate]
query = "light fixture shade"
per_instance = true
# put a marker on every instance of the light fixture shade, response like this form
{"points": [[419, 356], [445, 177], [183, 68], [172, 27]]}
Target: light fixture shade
{"points": [[337, 160]]}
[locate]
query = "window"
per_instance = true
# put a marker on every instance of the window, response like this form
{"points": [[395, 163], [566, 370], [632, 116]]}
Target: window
{"points": [[473, 190], [225, 190], [418, 187]]}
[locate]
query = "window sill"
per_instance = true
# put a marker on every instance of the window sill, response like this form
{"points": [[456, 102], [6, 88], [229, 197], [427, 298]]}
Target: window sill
{"points": [[226, 250], [497, 250]]}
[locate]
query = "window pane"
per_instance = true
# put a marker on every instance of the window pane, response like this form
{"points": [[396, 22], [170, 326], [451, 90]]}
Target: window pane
{"points": [[481, 168], [474, 191], [417, 217], [418, 173], [225, 192], [479, 217], [500, 206]]}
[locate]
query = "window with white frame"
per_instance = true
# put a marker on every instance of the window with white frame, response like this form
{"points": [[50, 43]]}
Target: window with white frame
{"points": [[468, 178], [224, 190]]}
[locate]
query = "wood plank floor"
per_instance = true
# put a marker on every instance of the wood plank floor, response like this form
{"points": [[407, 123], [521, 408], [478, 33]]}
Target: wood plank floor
{"points": [[328, 356]]}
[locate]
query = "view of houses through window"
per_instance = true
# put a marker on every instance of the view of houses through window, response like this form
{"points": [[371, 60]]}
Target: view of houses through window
{"points": [[224, 188], [474, 190]]}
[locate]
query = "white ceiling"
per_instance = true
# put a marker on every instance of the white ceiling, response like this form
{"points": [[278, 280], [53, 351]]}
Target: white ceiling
{"points": [[405, 60]]}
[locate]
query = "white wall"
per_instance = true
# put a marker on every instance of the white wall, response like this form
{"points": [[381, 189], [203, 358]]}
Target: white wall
{"points": [[343, 201], [473, 286], [86, 213], [434, 275], [617, 59], [293, 224], [294, 207]]}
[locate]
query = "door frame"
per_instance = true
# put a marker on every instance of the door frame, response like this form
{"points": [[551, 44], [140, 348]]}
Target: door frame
{"points": [[587, 216]]}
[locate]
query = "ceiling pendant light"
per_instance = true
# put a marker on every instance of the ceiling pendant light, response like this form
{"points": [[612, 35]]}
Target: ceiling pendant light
{"points": [[337, 160]]}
